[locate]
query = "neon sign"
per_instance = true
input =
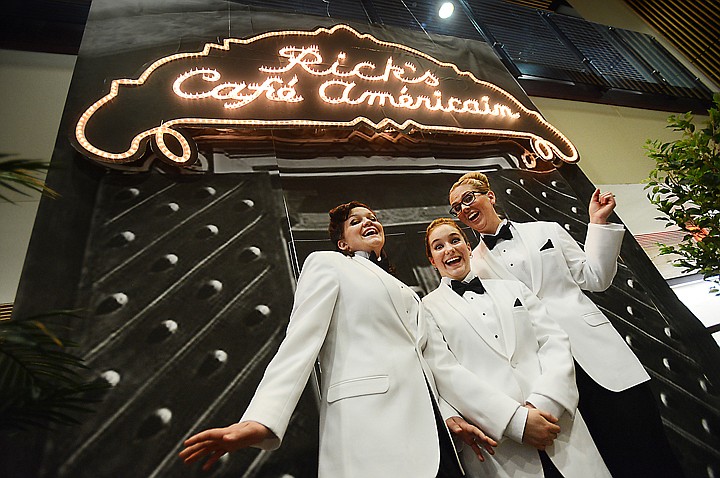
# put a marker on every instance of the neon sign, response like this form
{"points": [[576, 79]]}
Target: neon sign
{"points": [[331, 78], [336, 91]]}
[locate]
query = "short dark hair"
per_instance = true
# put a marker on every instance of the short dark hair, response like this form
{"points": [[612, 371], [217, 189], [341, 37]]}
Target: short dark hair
{"points": [[338, 216]]}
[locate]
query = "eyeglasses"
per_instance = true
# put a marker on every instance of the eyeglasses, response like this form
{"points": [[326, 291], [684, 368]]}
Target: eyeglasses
{"points": [[466, 200]]}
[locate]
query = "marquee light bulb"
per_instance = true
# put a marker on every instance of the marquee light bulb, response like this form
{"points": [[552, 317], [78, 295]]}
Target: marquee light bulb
{"points": [[340, 84], [446, 9]]}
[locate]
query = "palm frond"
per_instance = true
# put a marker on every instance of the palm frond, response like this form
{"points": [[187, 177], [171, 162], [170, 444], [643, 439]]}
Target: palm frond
{"points": [[23, 172], [41, 383]]}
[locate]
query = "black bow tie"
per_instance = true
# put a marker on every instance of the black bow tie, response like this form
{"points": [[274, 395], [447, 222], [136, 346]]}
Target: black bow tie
{"points": [[383, 262], [461, 287], [503, 233]]}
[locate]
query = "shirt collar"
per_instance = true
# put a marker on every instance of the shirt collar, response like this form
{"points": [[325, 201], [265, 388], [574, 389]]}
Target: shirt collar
{"points": [[502, 223], [364, 254], [446, 280]]}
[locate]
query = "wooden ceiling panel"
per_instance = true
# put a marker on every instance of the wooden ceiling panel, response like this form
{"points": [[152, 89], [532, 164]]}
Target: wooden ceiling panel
{"points": [[693, 27]]}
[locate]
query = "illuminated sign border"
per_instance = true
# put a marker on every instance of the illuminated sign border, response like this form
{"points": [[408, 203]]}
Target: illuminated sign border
{"points": [[541, 147]]}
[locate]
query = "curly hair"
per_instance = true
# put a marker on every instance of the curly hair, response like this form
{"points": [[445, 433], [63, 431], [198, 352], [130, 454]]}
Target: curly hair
{"points": [[338, 216]]}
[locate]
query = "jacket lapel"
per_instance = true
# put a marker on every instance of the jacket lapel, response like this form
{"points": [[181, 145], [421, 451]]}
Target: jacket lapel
{"points": [[461, 306], [532, 247], [392, 286], [486, 266]]}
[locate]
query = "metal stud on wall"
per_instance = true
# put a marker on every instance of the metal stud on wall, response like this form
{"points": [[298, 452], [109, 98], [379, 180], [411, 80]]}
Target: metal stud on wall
{"points": [[189, 290]]}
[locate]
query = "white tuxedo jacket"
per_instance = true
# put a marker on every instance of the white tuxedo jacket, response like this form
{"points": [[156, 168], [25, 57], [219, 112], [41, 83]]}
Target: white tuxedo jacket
{"points": [[377, 358], [533, 359], [560, 270]]}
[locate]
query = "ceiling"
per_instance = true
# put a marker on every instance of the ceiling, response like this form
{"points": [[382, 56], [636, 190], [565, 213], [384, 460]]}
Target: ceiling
{"points": [[56, 26], [51, 26]]}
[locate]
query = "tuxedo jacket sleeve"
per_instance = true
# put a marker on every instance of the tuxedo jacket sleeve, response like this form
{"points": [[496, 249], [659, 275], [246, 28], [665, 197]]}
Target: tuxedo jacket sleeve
{"points": [[470, 394], [560, 270], [535, 359], [537, 349], [594, 268], [288, 372], [557, 378]]}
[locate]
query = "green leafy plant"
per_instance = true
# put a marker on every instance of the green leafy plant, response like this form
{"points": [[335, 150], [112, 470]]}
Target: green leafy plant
{"points": [[21, 174], [685, 187], [41, 382]]}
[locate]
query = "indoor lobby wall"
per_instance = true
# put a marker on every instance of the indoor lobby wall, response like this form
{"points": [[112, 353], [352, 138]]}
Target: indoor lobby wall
{"points": [[33, 87]]}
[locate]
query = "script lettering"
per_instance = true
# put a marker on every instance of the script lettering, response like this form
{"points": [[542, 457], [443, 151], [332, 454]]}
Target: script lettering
{"points": [[340, 89], [231, 94]]}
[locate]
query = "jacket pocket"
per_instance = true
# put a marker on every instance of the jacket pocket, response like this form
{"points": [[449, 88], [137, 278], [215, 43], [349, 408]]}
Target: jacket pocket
{"points": [[593, 319], [547, 246], [356, 387]]}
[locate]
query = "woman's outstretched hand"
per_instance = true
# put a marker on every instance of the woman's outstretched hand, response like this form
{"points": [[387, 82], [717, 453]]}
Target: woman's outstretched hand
{"points": [[472, 436], [218, 441]]}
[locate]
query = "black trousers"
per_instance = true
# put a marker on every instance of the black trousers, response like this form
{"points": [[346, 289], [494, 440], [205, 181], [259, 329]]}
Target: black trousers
{"points": [[627, 429], [549, 468], [449, 466]]}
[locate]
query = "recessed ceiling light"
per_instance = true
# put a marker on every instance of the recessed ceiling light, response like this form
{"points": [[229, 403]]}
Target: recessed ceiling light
{"points": [[446, 9]]}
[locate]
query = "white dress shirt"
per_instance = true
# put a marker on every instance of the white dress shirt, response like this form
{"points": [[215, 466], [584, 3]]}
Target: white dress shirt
{"points": [[512, 253]]}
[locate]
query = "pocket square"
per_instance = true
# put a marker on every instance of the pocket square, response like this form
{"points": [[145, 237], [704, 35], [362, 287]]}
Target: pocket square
{"points": [[548, 245], [517, 303]]}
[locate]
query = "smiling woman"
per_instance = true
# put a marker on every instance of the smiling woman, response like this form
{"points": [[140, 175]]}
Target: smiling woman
{"points": [[547, 260], [478, 212], [382, 370], [355, 228], [501, 332], [448, 249]]}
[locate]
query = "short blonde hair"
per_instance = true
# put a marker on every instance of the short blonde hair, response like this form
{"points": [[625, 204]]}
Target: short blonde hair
{"points": [[434, 225], [475, 179]]}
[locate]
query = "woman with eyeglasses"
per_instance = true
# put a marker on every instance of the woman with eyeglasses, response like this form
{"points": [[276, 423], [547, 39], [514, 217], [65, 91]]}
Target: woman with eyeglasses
{"points": [[615, 397], [383, 370], [500, 331]]}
